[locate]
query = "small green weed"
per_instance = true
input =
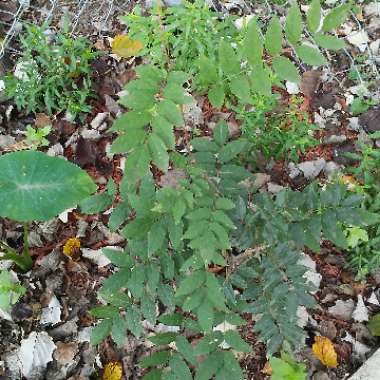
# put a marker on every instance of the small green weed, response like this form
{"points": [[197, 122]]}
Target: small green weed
{"points": [[364, 256], [53, 73], [177, 36], [36, 137], [10, 291], [280, 135]]}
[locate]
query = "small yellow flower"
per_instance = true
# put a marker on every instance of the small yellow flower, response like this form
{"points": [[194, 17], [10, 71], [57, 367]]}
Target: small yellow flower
{"points": [[112, 371], [71, 247]]}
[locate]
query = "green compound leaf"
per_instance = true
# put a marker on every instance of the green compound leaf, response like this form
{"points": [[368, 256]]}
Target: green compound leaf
{"points": [[34, 186], [216, 95], [336, 17], [273, 37], [310, 55], [260, 80], [240, 87], [101, 331], [253, 44], [314, 16], [329, 42], [229, 61], [285, 69], [293, 25], [158, 152], [207, 71]]}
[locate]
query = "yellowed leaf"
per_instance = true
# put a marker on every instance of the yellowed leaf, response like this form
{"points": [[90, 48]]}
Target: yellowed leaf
{"points": [[267, 370], [112, 371], [324, 350], [124, 47], [71, 248]]}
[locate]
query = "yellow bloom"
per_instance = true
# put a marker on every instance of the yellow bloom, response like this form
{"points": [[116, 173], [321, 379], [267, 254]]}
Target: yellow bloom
{"points": [[71, 247]]}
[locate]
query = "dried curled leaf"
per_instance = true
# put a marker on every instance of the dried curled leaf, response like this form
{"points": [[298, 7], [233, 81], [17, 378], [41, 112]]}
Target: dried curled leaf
{"points": [[124, 47], [324, 350], [71, 247], [112, 371]]}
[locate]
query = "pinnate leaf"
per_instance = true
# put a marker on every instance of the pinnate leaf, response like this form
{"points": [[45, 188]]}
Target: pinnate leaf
{"points": [[228, 59], [314, 16], [336, 17], [329, 42], [310, 55], [293, 25], [286, 70], [253, 44], [273, 37]]}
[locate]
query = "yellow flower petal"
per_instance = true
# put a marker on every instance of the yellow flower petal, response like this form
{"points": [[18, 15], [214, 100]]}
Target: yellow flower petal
{"points": [[124, 47], [112, 371], [324, 350]]}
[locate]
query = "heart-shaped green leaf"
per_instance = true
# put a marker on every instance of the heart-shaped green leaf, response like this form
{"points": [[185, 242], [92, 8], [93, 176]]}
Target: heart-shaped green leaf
{"points": [[34, 186]]}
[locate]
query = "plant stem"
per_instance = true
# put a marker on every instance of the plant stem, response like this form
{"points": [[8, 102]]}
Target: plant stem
{"points": [[23, 261]]}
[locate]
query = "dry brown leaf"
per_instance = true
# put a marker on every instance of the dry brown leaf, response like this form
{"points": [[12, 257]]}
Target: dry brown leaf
{"points": [[124, 47], [310, 82], [112, 371], [42, 120], [324, 350]]}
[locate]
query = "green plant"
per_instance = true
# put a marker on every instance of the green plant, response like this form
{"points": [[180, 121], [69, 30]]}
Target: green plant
{"points": [[286, 368], [178, 35], [36, 187], [177, 234], [241, 71], [10, 291], [36, 138], [53, 73], [279, 135], [361, 104], [203, 247], [364, 257], [146, 132]]}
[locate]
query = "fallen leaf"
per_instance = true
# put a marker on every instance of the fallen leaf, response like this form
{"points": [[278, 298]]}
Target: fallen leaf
{"points": [[124, 47], [374, 325], [360, 313], [310, 82], [267, 370], [71, 248], [65, 352], [373, 299], [51, 314], [360, 350], [97, 256], [112, 371], [42, 120], [35, 352], [342, 309], [324, 350], [85, 152]]}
